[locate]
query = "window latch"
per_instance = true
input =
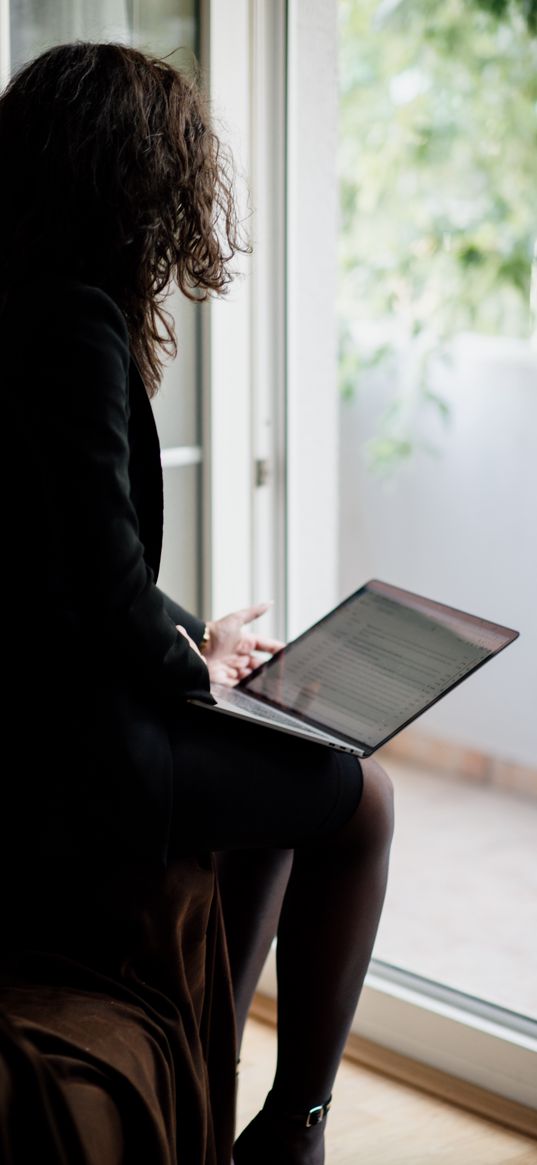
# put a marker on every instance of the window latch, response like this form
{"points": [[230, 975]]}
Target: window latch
{"points": [[262, 471]]}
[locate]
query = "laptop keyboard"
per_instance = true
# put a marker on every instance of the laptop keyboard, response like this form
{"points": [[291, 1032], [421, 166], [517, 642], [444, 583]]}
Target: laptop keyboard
{"points": [[232, 698]]}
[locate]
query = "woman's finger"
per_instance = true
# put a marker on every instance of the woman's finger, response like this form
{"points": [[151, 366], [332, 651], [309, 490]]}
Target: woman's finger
{"points": [[246, 614], [266, 644]]}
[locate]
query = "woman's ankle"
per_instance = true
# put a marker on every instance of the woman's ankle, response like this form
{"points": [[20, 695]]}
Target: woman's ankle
{"points": [[282, 1107], [278, 1136]]}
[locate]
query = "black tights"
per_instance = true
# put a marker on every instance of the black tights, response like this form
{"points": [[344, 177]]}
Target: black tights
{"points": [[324, 902]]}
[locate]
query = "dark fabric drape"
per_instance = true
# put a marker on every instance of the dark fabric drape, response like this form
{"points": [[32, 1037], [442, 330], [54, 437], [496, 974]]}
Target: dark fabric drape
{"points": [[117, 1034]]}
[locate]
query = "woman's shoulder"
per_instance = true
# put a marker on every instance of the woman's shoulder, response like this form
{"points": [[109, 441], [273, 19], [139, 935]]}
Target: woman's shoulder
{"points": [[57, 330], [50, 302]]}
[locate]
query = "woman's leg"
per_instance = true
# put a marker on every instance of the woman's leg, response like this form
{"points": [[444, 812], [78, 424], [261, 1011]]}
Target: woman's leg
{"points": [[242, 786], [329, 919], [252, 887]]}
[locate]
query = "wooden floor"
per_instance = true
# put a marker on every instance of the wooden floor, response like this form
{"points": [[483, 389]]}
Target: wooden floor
{"points": [[377, 1121]]}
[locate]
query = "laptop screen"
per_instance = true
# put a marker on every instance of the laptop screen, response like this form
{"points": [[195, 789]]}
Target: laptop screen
{"points": [[376, 662]]}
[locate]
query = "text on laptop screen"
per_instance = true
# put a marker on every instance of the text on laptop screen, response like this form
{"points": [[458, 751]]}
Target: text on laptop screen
{"points": [[374, 663]]}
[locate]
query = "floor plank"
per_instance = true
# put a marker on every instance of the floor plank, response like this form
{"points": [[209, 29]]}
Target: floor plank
{"points": [[377, 1121]]}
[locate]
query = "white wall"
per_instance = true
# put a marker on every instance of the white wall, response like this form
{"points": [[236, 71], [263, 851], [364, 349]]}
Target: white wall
{"points": [[462, 528]]}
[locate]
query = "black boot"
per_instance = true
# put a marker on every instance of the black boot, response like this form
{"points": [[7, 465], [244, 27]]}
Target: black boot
{"points": [[276, 1137]]}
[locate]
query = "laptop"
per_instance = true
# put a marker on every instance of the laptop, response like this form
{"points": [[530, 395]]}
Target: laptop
{"points": [[366, 670]]}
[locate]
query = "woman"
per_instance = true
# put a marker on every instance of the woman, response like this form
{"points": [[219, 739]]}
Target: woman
{"points": [[114, 186]]}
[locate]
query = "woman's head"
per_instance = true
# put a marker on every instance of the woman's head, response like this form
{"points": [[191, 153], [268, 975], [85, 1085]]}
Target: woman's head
{"points": [[112, 174]]}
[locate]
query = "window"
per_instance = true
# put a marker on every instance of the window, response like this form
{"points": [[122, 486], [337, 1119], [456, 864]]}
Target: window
{"points": [[439, 214], [244, 341], [452, 521]]}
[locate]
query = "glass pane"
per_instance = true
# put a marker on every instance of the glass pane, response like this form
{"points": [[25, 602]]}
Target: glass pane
{"points": [[179, 573], [176, 404], [165, 26], [36, 25], [157, 26], [438, 372]]}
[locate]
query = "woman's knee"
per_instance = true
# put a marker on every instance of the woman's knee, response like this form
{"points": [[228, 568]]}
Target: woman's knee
{"points": [[371, 826]]}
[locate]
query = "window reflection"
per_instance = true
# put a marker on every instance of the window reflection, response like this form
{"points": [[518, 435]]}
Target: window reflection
{"points": [[162, 26]]}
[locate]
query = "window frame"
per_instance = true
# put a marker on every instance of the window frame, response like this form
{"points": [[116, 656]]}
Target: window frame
{"points": [[243, 335], [427, 1022], [5, 56]]}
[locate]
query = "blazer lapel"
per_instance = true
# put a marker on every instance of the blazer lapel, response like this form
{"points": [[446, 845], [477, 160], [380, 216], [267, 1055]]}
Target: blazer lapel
{"points": [[145, 469]]}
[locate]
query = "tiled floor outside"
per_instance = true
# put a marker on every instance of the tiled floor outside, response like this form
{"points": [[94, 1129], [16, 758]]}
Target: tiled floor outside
{"points": [[461, 906]]}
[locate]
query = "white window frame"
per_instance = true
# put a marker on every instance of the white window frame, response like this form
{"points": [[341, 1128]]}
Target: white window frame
{"points": [[226, 400], [243, 334], [5, 55]]}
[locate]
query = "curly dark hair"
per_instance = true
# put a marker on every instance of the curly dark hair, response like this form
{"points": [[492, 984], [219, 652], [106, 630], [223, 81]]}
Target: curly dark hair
{"points": [[111, 173]]}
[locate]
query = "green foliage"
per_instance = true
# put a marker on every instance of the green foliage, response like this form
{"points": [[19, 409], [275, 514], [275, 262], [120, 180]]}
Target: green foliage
{"points": [[501, 10], [438, 179]]}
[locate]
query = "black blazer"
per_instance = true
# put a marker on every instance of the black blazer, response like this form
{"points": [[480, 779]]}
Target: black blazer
{"points": [[94, 664]]}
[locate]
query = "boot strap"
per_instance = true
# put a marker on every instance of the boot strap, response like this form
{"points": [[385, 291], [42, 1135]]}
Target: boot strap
{"points": [[315, 1116]]}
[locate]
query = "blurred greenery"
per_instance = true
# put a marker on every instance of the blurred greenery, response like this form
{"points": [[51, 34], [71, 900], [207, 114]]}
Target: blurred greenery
{"points": [[438, 184]]}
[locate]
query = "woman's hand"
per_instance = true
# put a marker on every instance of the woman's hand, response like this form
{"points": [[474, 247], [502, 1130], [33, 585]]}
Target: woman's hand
{"points": [[231, 652]]}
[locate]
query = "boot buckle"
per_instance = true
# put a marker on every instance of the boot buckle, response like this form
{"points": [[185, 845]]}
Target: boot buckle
{"points": [[317, 1114]]}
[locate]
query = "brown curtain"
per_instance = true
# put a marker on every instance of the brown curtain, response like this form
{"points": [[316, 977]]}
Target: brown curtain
{"points": [[117, 1039]]}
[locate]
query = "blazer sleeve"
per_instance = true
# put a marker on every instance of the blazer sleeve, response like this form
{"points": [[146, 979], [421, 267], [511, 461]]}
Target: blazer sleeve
{"points": [[191, 623], [84, 355]]}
